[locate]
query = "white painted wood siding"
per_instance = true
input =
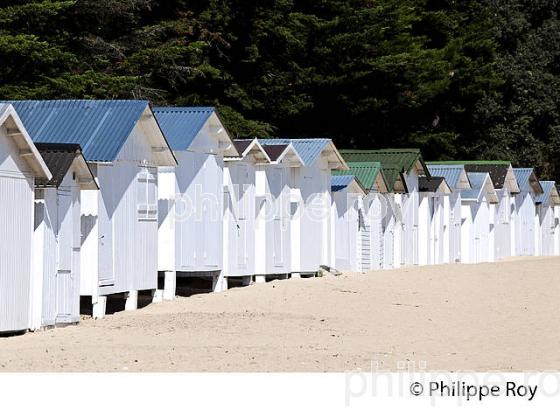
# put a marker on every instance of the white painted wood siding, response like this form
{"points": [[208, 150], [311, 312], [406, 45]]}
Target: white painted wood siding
{"points": [[120, 222], [16, 233], [241, 215]]}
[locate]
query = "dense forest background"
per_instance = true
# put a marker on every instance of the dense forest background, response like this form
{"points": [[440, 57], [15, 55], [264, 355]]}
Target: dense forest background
{"points": [[461, 79]]}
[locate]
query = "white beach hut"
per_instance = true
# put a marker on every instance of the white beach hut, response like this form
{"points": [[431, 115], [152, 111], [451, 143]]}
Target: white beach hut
{"points": [[392, 223], [372, 212], [273, 223], [347, 222], [546, 222], [476, 241], [191, 196], [433, 223], [525, 207], [240, 209], [409, 166], [57, 236], [20, 165], [123, 145], [311, 196], [503, 215], [457, 180]]}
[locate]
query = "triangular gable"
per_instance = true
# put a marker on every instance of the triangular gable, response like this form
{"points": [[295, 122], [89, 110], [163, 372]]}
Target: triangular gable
{"points": [[311, 149], [555, 196], [501, 172], [368, 173], [250, 147], [10, 119], [550, 196], [347, 182], [395, 180], [455, 175], [60, 158], [527, 180], [100, 127], [402, 159], [181, 126], [482, 186], [285, 154], [433, 184]]}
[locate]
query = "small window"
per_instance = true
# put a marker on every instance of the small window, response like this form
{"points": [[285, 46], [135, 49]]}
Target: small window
{"points": [[147, 194]]}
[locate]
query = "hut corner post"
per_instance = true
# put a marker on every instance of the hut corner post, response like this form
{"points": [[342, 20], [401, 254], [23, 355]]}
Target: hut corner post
{"points": [[131, 302], [99, 306], [219, 283], [169, 285]]}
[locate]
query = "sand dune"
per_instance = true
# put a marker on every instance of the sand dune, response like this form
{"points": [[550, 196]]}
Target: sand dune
{"points": [[501, 316]]}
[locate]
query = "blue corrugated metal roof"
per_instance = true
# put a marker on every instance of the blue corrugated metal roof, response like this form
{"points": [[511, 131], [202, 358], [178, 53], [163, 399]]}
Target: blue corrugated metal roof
{"points": [[339, 182], [522, 175], [544, 198], [101, 127], [451, 173], [477, 180], [309, 149], [182, 124], [527, 180]]}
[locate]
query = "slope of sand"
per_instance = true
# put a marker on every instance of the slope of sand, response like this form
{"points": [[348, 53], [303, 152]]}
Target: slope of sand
{"points": [[501, 316]]}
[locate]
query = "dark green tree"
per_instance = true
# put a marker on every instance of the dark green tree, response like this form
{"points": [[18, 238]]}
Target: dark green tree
{"points": [[468, 79]]}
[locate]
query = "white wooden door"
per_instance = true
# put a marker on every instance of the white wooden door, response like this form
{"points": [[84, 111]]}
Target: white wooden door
{"points": [[278, 226], [455, 248], [364, 241], [65, 261], [16, 228], [312, 229], [242, 177], [389, 226], [106, 205], [212, 223], [187, 212]]}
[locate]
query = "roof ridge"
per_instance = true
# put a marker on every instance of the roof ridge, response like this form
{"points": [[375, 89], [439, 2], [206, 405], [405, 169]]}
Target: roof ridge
{"points": [[183, 108], [101, 127], [77, 100]]}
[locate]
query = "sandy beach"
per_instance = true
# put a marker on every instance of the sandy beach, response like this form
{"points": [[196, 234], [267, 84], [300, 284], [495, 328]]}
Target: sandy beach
{"points": [[501, 316]]}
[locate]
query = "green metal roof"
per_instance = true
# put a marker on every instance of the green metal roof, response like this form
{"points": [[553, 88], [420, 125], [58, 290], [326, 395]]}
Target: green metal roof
{"points": [[402, 159], [392, 175], [366, 172], [469, 162]]}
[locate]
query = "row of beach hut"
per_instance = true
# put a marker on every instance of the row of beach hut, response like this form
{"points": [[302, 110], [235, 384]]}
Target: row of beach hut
{"points": [[115, 198]]}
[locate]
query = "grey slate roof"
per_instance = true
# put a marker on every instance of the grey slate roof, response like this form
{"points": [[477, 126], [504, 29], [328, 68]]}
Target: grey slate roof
{"points": [[429, 184], [100, 127], [242, 145], [59, 158], [274, 151]]}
